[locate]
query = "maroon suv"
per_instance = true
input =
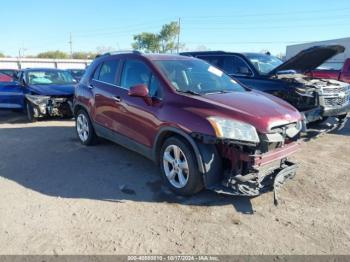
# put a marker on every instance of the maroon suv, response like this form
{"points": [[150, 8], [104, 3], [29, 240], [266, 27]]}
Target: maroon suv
{"points": [[200, 126]]}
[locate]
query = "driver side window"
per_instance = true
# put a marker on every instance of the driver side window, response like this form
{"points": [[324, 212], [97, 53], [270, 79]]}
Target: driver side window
{"points": [[135, 73], [233, 65]]}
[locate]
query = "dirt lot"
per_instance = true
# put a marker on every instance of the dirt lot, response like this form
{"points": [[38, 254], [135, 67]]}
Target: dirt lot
{"points": [[58, 197]]}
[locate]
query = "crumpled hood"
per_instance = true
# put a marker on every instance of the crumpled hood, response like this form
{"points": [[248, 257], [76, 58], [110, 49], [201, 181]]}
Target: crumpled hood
{"points": [[52, 90], [309, 59], [261, 110]]}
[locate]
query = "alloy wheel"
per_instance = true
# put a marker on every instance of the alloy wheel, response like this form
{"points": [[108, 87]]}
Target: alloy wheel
{"points": [[175, 166], [83, 127]]}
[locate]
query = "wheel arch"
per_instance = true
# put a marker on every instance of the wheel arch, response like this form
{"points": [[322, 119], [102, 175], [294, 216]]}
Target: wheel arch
{"points": [[167, 132], [79, 106]]}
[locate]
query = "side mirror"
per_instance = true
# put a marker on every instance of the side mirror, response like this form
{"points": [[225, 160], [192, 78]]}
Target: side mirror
{"points": [[140, 90]]}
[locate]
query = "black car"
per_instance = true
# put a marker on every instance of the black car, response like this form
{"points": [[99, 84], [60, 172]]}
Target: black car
{"points": [[317, 99], [77, 73]]}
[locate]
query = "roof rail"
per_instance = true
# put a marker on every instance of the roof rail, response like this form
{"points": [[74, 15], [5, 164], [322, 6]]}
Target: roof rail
{"points": [[120, 52]]}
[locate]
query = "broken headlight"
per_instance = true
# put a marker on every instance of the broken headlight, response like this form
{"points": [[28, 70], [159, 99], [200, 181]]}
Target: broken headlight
{"points": [[232, 129], [37, 99]]}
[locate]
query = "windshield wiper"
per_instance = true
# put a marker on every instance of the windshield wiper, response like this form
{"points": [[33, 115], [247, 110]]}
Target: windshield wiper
{"points": [[219, 92], [189, 92]]}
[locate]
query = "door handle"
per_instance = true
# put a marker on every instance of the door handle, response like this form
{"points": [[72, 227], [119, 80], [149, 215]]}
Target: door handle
{"points": [[117, 99]]}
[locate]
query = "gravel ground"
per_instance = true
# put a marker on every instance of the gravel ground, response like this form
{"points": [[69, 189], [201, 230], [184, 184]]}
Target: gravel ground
{"points": [[59, 197]]}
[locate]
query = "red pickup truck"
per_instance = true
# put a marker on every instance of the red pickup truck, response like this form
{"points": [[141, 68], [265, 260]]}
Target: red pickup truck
{"points": [[329, 72]]}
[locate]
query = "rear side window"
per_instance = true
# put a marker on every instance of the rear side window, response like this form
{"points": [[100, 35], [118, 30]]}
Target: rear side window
{"points": [[108, 71], [213, 60]]}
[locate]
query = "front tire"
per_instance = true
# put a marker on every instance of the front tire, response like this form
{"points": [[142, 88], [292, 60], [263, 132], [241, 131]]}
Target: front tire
{"points": [[179, 167], [31, 114], [85, 131]]}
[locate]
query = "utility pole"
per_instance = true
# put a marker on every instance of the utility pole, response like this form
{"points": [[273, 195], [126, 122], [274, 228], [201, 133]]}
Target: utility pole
{"points": [[71, 45], [178, 36]]}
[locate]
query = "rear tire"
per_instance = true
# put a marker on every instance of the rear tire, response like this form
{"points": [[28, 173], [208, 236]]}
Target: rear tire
{"points": [[179, 167], [85, 130]]}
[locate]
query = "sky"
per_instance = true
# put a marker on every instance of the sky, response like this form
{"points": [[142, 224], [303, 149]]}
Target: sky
{"points": [[35, 26]]}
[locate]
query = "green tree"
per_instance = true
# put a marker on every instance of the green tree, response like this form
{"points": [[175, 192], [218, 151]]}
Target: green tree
{"points": [[168, 36], [2, 55], [53, 54], [147, 41], [84, 55], [163, 42]]}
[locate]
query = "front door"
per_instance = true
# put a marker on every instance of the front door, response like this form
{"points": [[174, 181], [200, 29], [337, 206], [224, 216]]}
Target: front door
{"points": [[11, 95], [139, 117]]}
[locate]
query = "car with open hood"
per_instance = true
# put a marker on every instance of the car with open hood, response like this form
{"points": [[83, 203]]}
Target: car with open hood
{"points": [[40, 93], [317, 99], [201, 127]]}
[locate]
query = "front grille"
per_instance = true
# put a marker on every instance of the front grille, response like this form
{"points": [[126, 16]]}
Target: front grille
{"points": [[335, 97], [335, 90], [278, 136], [335, 101]]}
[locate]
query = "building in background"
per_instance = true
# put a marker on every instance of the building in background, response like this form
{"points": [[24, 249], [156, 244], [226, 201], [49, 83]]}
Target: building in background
{"points": [[22, 63]]}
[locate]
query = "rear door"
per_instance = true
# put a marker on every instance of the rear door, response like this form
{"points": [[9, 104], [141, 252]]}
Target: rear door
{"points": [[107, 94]]}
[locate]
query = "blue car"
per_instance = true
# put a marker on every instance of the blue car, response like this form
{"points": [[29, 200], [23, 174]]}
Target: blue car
{"points": [[40, 93]]}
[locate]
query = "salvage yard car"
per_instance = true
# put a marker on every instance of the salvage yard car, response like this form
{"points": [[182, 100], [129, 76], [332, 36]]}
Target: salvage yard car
{"points": [[203, 128], [40, 93], [336, 71], [77, 73], [10, 73], [317, 99], [5, 78]]}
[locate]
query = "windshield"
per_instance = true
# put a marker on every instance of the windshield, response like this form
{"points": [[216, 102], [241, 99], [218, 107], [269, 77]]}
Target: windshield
{"points": [[49, 77], [197, 76], [264, 64]]}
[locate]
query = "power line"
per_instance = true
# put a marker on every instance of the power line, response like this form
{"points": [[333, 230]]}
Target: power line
{"points": [[267, 14]]}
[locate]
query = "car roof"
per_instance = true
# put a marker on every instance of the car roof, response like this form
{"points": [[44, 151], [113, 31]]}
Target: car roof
{"points": [[149, 56], [220, 53], [157, 57]]}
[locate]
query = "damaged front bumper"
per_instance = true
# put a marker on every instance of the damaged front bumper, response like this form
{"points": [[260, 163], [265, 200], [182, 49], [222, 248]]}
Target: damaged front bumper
{"points": [[51, 106], [261, 172], [343, 110]]}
